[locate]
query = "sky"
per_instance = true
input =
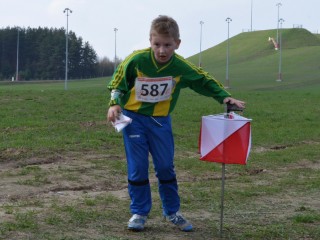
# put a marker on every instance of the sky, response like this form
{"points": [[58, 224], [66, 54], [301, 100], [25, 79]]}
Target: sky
{"points": [[95, 20]]}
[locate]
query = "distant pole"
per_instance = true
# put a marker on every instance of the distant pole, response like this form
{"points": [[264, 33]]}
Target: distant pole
{"points": [[251, 13], [228, 20], [66, 10], [115, 48], [17, 70], [278, 5], [200, 63], [280, 51]]}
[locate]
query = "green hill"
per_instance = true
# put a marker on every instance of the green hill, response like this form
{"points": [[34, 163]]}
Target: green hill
{"points": [[254, 62]]}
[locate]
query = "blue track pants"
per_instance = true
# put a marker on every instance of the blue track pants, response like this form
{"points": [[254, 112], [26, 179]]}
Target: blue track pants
{"points": [[143, 136]]}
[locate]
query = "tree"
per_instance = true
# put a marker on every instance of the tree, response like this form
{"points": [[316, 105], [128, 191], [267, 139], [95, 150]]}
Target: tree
{"points": [[105, 67], [88, 62], [42, 54]]}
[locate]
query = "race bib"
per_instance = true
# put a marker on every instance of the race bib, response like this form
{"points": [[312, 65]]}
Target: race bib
{"points": [[153, 89]]}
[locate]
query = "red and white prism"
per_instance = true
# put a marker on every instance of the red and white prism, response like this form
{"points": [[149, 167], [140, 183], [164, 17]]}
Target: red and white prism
{"points": [[225, 140]]}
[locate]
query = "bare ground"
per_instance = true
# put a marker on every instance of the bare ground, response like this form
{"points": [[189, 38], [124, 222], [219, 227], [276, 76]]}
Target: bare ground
{"points": [[69, 178]]}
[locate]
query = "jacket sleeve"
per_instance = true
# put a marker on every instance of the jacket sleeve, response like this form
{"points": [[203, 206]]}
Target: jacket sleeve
{"points": [[121, 81], [204, 84]]}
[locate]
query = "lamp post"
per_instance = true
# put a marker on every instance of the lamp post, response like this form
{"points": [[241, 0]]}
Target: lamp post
{"points": [[115, 48], [201, 23], [17, 69], [228, 20], [280, 51], [278, 5], [66, 10], [251, 13]]}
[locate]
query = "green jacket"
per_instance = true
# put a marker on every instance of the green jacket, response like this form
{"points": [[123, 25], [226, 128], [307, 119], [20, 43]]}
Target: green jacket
{"points": [[184, 74]]}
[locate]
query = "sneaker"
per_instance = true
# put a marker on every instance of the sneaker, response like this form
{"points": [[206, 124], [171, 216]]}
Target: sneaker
{"points": [[178, 220], [136, 222]]}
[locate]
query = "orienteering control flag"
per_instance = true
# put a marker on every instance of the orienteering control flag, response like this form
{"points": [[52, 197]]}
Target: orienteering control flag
{"points": [[225, 140]]}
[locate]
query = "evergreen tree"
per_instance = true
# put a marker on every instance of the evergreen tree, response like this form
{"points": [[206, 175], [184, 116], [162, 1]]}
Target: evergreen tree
{"points": [[42, 55]]}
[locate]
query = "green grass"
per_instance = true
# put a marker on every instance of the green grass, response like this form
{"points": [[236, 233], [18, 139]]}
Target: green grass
{"points": [[48, 128], [253, 62], [39, 121], [63, 168]]}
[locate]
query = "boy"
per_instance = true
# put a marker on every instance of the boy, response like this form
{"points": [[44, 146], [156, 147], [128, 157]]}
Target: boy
{"points": [[145, 87]]}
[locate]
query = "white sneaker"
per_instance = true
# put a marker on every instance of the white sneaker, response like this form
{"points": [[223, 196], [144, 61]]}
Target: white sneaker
{"points": [[136, 222]]}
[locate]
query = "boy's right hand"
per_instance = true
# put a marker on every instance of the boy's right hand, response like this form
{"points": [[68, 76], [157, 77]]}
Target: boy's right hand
{"points": [[240, 104], [113, 113]]}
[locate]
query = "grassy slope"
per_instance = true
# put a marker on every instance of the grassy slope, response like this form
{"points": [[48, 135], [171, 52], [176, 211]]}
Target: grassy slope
{"points": [[255, 64]]}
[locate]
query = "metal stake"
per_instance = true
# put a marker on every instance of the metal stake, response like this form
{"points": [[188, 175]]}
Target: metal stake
{"points": [[222, 197]]}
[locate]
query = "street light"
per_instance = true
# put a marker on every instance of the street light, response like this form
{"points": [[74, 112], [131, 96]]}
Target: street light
{"points": [[251, 13], [115, 48], [17, 70], [228, 20], [280, 51], [201, 23], [278, 5], [66, 10]]}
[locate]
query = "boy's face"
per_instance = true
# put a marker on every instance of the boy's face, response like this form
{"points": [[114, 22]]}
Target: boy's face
{"points": [[163, 47]]}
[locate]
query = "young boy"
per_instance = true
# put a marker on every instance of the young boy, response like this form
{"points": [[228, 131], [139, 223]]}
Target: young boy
{"points": [[145, 87]]}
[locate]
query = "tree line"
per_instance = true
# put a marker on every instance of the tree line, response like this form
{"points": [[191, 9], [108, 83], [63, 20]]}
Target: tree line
{"points": [[40, 54]]}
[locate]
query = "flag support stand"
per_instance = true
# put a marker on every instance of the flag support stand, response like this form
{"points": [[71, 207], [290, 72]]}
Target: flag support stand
{"points": [[222, 197], [228, 108]]}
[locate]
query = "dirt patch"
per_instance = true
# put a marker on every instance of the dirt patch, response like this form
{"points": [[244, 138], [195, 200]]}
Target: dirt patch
{"points": [[37, 183], [260, 149]]}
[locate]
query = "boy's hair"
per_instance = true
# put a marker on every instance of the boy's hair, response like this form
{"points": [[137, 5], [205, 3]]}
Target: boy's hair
{"points": [[165, 25]]}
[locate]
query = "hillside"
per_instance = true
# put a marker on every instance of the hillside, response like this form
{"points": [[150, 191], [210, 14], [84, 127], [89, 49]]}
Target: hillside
{"points": [[253, 59]]}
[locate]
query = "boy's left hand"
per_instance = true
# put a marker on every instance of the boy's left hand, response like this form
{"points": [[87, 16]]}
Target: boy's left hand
{"points": [[238, 103]]}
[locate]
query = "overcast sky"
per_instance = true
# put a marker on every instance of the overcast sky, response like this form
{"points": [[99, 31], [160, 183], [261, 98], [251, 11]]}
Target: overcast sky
{"points": [[95, 20]]}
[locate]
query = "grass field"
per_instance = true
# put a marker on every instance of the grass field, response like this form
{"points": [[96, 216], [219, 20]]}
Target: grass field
{"points": [[63, 170], [63, 167]]}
